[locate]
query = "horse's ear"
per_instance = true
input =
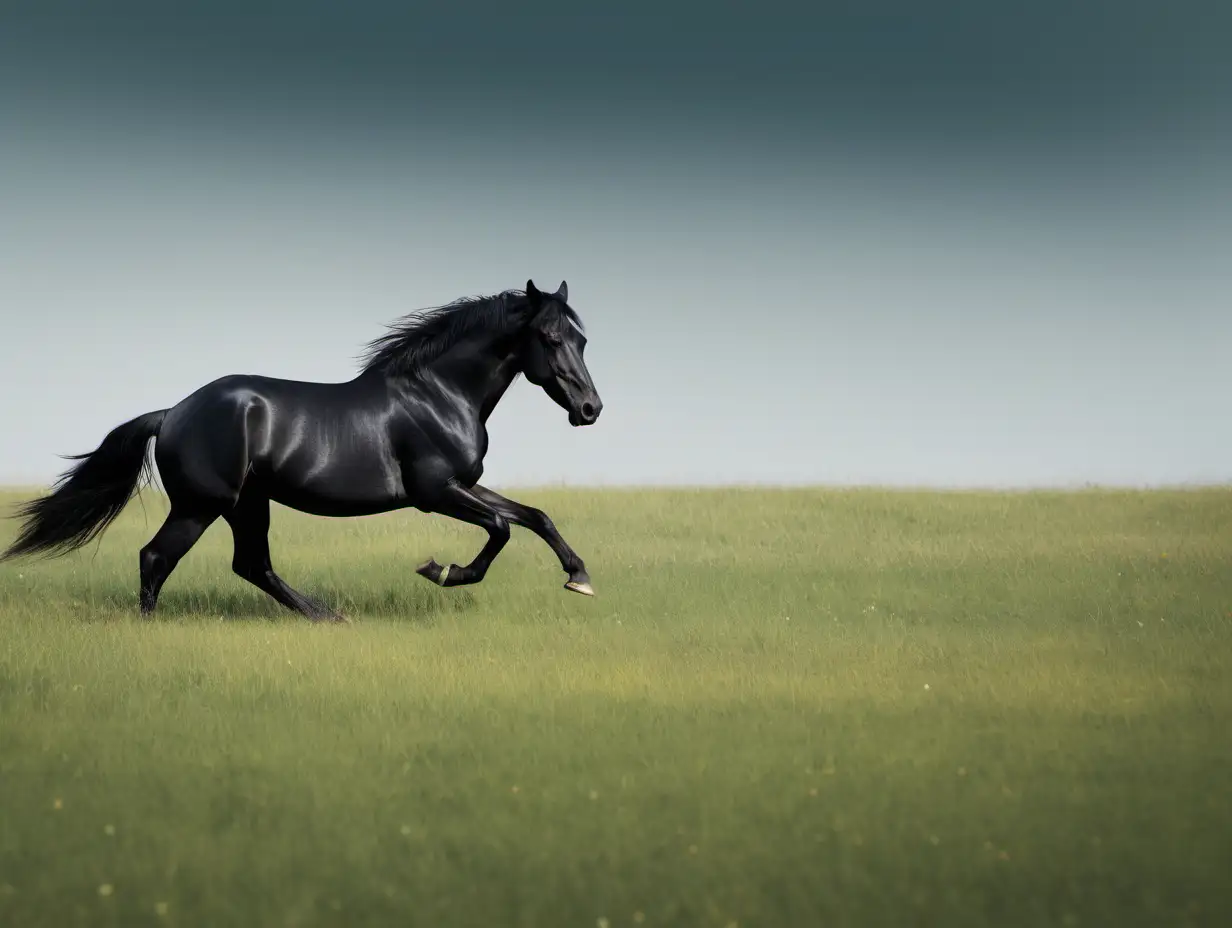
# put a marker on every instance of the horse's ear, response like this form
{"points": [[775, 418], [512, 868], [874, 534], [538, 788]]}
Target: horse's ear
{"points": [[532, 291], [563, 292]]}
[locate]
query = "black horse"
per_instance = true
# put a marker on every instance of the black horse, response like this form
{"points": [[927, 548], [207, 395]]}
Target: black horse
{"points": [[409, 431]]}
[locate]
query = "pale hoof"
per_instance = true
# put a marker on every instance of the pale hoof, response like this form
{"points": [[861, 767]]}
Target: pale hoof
{"points": [[433, 571], [584, 588]]}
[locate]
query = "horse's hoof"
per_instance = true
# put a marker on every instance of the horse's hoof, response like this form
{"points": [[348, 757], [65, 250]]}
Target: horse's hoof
{"points": [[583, 588], [433, 571]]}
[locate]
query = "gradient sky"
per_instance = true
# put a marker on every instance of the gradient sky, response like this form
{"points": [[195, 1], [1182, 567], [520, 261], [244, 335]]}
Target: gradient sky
{"points": [[931, 244]]}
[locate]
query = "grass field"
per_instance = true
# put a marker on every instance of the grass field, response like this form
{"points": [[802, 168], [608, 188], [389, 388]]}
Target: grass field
{"points": [[783, 708]]}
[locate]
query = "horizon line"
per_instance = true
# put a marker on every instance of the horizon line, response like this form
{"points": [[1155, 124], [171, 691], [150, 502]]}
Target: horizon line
{"points": [[765, 486]]}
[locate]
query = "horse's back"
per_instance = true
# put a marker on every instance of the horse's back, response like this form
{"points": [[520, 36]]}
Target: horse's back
{"points": [[313, 446]]}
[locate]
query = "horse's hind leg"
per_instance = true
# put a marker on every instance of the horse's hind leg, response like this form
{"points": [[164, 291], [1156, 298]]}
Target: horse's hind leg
{"points": [[250, 521], [158, 558]]}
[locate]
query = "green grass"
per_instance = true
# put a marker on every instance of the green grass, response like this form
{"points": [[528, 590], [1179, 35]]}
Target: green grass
{"points": [[784, 708]]}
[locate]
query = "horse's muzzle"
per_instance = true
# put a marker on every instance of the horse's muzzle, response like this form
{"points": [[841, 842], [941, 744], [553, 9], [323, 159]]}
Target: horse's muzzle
{"points": [[587, 413]]}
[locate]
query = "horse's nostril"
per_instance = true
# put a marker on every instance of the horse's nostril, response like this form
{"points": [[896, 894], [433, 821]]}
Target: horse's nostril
{"points": [[588, 410]]}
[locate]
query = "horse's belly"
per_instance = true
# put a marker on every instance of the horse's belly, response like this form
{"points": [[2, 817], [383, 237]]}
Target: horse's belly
{"points": [[334, 501], [332, 486]]}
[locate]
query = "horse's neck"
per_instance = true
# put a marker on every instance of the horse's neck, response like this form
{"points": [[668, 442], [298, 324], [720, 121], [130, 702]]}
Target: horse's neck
{"points": [[499, 386], [476, 375]]}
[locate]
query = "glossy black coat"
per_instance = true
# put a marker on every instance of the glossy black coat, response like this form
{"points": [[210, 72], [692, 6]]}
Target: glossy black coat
{"points": [[409, 431]]}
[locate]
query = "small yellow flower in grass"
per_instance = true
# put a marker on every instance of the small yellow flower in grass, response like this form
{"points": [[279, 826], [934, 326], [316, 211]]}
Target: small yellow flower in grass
{"points": [[602, 922], [692, 848], [813, 791], [594, 795], [514, 789], [109, 831], [639, 917], [57, 803], [106, 890], [160, 908], [406, 829]]}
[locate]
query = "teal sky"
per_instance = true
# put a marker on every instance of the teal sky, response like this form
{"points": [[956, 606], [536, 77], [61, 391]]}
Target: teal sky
{"points": [[853, 250]]}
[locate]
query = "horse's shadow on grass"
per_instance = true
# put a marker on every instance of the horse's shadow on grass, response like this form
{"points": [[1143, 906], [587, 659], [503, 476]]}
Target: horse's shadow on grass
{"points": [[416, 604]]}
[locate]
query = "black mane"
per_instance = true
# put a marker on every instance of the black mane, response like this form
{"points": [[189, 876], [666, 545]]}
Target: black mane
{"points": [[421, 337]]}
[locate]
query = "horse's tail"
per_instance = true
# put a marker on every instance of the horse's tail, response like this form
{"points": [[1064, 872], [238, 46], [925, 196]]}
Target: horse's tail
{"points": [[91, 494]]}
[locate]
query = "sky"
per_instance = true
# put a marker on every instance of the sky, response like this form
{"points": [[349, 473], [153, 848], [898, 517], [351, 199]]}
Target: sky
{"points": [[945, 244]]}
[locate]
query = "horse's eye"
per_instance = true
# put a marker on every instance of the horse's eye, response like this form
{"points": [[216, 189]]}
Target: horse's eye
{"points": [[552, 338]]}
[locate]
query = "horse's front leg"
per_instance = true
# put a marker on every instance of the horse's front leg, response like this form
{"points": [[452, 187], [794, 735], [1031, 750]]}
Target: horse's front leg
{"points": [[538, 522], [459, 503]]}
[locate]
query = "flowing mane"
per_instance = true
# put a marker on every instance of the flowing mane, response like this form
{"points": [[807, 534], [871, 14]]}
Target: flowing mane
{"points": [[421, 337]]}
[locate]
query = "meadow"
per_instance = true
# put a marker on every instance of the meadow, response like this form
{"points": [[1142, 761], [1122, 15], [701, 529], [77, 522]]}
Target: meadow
{"points": [[783, 708]]}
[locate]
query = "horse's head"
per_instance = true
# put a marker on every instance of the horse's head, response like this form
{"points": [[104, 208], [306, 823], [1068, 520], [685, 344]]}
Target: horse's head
{"points": [[551, 354]]}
